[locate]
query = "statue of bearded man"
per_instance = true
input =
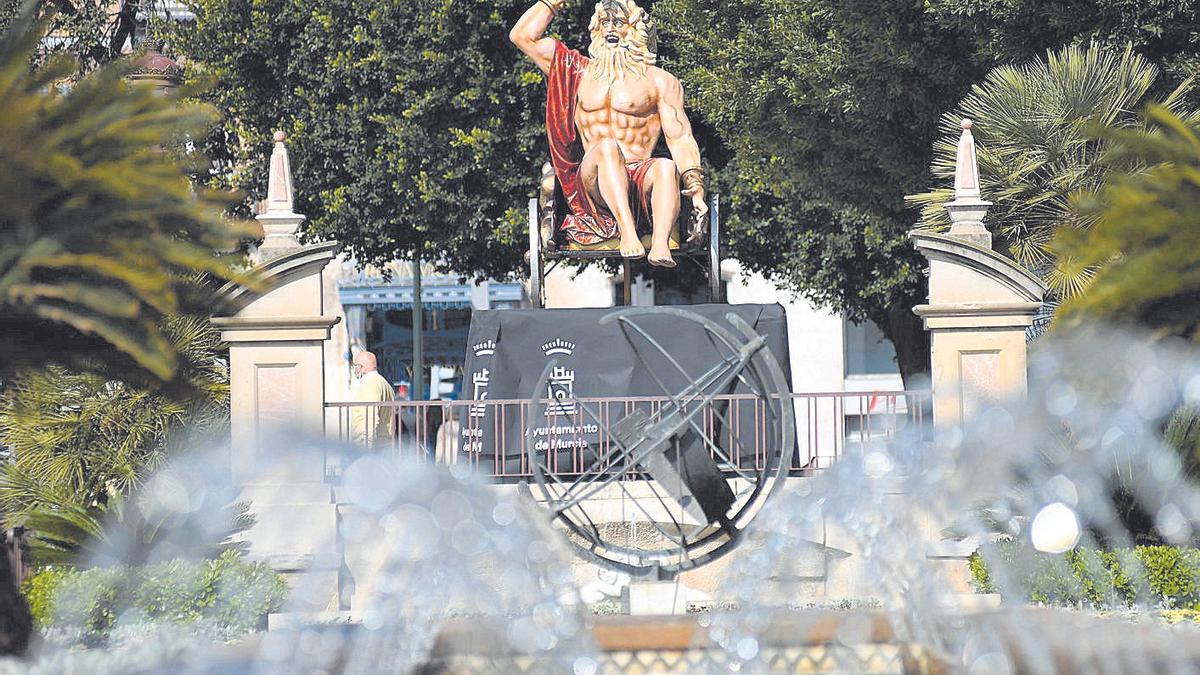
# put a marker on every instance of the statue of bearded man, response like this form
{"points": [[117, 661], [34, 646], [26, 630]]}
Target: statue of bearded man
{"points": [[604, 116]]}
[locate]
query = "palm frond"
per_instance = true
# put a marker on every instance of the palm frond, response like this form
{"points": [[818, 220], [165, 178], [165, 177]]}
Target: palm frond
{"points": [[101, 225]]}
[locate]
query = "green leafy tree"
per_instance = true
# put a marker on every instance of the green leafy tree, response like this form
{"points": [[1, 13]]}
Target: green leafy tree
{"points": [[1167, 33], [829, 110], [103, 232], [415, 127], [1034, 132], [1146, 236]]}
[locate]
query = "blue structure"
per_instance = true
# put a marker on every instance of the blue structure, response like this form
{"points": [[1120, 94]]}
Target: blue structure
{"points": [[379, 316]]}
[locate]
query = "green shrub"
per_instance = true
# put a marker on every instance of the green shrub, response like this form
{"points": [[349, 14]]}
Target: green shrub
{"points": [[39, 591], [1168, 576], [239, 592], [222, 598], [980, 579], [86, 605], [1173, 575]]}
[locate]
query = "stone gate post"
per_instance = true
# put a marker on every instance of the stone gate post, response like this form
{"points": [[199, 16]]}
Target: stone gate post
{"points": [[276, 338], [980, 304]]}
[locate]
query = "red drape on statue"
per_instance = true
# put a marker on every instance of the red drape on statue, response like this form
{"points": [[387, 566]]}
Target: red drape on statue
{"points": [[584, 224]]}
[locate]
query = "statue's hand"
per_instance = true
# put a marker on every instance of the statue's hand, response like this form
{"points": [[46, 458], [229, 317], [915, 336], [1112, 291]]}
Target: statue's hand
{"points": [[699, 214]]}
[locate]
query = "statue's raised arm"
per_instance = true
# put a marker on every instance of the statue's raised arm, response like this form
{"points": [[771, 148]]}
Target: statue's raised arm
{"points": [[529, 32], [604, 116]]}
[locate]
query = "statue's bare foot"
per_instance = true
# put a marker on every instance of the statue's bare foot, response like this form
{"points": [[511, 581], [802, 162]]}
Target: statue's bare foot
{"points": [[632, 248], [660, 257]]}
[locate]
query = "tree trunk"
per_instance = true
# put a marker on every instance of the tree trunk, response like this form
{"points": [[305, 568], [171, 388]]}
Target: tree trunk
{"points": [[911, 340], [16, 623]]}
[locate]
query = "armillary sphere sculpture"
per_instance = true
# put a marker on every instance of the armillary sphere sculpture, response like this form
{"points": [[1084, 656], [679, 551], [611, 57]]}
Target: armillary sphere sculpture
{"points": [[685, 465]]}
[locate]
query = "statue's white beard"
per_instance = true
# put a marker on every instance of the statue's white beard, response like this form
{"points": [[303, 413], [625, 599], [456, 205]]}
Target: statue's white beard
{"points": [[612, 62]]}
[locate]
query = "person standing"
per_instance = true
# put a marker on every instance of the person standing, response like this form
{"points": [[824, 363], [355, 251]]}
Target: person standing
{"points": [[371, 426]]}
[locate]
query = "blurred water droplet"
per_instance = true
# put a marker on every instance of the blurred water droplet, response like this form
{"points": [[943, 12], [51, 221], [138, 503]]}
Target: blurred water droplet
{"points": [[469, 538], [1191, 391], [1055, 529], [1112, 436], [877, 464], [504, 514], [461, 471], [747, 648], [585, 665], [1062, 489], [1153, 393], [992, 663], [450, 507], [1061, 399], [1165, 466], [169, 492], [1172, 524]]}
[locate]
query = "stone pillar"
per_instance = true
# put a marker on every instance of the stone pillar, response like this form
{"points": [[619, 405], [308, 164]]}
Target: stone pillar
{"points": [[980, 304], [276, 338]]}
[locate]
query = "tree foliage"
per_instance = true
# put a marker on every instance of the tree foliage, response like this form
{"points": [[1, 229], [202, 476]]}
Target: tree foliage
{"points": [[103, 231], [1146, 236], [1165, 31], [414, 127], [830, 110], [1034, 133]]}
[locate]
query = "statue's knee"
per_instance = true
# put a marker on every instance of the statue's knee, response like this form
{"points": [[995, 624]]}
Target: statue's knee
{"points": [[665, 170]]}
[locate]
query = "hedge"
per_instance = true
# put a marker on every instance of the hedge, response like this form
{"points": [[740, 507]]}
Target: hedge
{"points": [[1166, 576], [223, 598]]}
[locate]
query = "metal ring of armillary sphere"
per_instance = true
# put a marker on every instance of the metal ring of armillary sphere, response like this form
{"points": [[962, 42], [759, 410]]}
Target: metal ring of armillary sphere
{"points": [[684, 466]]}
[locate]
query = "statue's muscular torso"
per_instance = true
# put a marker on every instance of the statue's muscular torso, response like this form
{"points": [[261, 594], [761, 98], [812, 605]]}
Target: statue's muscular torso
{"points": [[625, 111]]}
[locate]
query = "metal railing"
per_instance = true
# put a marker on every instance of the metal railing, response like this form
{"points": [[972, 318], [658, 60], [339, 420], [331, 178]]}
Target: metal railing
{"points": [[487, 436]]}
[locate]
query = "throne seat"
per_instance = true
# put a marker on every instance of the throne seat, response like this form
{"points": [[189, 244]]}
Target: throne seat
{"points": [[547, 242]]}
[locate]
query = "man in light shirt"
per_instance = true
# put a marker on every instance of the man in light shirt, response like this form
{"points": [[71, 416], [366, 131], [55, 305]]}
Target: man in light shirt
{"points": [[371, 426]]}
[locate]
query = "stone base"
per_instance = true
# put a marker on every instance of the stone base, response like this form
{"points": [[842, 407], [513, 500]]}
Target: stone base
{"points": [[312, 590], [657, 598], [295, 531]]}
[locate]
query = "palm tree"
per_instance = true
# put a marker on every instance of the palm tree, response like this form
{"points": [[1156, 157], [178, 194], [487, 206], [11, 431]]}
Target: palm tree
{"points": [[1035, 132], [101, 228], [80, 439], [135, 530]]}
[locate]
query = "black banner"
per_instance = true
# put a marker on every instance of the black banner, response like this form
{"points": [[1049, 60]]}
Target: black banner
{"points": [[507, 351]]}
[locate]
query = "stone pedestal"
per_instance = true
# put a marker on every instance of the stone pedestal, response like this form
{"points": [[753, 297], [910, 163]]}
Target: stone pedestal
{"points": [[277, 394], [276, 357]]}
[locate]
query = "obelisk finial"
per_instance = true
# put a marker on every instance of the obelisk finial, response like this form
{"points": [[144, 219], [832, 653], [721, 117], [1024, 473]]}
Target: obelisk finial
{"points": [[279, 181], [966, 174], [280, 224], [968, 209]]}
